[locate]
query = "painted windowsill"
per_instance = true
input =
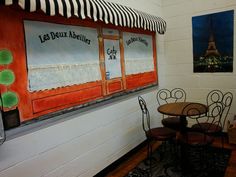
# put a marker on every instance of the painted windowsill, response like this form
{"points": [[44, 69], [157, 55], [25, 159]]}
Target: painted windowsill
{"points": [[67, 114]]}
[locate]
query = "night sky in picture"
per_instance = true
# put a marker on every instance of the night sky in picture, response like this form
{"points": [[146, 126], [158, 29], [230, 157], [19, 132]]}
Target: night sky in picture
{"points": [[213, 42]]}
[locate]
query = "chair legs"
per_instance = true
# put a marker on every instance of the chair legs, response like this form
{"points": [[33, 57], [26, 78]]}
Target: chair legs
{"points": [[149, 156], [167, 146], [195, 160], [222, 141]]}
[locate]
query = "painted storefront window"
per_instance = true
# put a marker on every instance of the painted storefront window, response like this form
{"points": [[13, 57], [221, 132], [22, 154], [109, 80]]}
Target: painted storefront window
{"points": [[60, 55], [138, 53]]}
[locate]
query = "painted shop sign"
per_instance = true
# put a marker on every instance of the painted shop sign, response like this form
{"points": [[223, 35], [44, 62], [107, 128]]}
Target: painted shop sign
{"points": [[136, 39], [112, 53], [138, 53], [65, 34], [60, 55]]}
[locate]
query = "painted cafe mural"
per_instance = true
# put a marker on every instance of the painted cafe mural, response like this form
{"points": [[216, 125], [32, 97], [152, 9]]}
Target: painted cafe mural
{"points": [[51, 64]]}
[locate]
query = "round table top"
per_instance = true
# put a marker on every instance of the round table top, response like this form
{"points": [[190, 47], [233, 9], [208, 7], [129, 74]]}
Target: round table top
{"points": [[183, 109]]}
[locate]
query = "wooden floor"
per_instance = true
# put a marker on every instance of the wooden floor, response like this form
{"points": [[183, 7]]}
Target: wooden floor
{"points": [[135, 159]]}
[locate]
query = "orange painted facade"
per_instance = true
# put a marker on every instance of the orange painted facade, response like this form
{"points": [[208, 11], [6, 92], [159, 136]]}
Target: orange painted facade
{"points": [[38, 103]]}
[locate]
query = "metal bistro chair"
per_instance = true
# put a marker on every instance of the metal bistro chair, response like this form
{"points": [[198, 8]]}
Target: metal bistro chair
{"points": [[157, 133], [194, 144], [165, 96], [215, 123]]}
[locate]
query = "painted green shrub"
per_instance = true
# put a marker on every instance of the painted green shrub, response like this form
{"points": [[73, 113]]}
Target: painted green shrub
{"points": [[5, 57]]}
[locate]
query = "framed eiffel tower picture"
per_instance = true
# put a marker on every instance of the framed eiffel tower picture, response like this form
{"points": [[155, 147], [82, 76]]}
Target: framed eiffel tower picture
{"points": [[213, 42]]}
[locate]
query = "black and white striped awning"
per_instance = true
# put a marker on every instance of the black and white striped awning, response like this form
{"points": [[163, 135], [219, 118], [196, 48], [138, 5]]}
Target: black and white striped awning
{"points": [[102, 10]]}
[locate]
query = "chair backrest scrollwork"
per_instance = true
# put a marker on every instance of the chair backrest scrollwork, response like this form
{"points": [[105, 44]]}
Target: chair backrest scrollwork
{"points": [[165, 96], [227, 102], [217, 97], [197, 112], [145, 114]]}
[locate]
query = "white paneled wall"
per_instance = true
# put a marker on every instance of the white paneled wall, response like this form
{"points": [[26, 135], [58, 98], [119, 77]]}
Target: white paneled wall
{"points": [[81, 146], [176, 67]]}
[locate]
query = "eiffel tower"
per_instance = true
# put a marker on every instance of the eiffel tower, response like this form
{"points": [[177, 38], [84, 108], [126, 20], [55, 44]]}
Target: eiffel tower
{"points": [[211, 49]]}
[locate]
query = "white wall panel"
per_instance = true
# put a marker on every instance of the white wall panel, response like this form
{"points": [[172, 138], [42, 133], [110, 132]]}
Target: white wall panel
{"points": [[171, 2], [183, 81], [175, 34], [175, 69], [178, 9], [178, 22], [204, 6], [178, 52], [150, 7], [226, 81]]}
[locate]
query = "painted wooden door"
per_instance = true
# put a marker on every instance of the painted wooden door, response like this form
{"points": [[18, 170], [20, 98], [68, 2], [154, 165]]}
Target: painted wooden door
{"points": [[113, 69]]}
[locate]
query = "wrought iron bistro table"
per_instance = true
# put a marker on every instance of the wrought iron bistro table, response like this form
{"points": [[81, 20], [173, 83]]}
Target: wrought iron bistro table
{"points": [[178, 109]]}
